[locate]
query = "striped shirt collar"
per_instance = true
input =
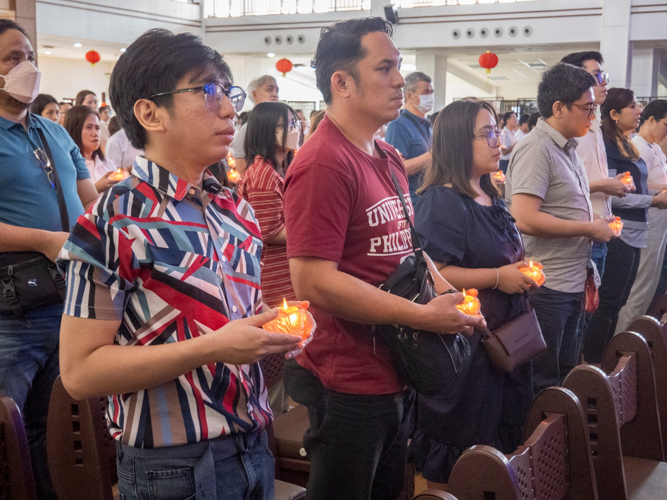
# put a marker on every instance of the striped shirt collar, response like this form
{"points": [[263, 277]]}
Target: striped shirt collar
{"points": [[169, 184], [566, 145]]}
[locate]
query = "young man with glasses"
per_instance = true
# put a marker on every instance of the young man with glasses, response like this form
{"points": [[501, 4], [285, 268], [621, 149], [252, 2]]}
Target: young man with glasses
{"points": [[164, 304], [547, 191], [592, 151], [30, 221]]}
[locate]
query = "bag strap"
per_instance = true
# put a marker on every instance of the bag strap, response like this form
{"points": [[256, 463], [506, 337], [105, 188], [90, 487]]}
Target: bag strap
{"points": [[416, 244], [420, 127], [62, 206]]}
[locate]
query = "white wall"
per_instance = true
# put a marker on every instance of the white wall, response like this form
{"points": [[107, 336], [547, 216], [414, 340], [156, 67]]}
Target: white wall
{"points": [[66, 77]]}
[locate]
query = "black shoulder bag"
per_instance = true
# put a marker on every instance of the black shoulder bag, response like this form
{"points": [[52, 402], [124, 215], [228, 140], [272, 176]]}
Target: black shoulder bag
{"points": [[29, 279], [428, 362]]}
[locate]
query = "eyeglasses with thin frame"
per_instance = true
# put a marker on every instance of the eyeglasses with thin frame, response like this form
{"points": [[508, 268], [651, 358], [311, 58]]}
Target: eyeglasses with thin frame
{"points": [[45, 163], [214, 93], [602, 78], [587, 107], [494, 138]]}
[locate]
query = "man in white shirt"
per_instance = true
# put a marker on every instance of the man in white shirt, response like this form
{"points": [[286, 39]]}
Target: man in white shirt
{"points": [[511, 127], [120, 151], [593, 154], [523, 127]]}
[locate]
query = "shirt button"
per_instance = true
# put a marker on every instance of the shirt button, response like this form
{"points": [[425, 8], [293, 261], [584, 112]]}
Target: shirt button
{"points": [[224, 259], [234, 308], [192, 191]]}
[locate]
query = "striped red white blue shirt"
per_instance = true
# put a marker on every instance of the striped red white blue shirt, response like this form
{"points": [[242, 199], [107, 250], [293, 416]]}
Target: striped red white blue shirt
{"points": [[173, 262]]}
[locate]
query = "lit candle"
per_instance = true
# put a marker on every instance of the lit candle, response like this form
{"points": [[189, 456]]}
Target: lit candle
{"points": [[616, 225], [118, 175], [233, 175], [293, 320], [471, 305], [534, 270], [231, 162], [628, 181], [499, 176]]}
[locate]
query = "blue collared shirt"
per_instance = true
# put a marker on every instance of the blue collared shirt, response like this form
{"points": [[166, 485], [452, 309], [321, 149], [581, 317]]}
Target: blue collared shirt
{"points": [[26, 196]]}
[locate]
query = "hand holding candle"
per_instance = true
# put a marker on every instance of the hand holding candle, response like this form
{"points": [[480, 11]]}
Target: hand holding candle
{"points": [[616, 225], [471, 305], [293, 320], [499, 176], [118, 175], [534, 271], [628, 181]]}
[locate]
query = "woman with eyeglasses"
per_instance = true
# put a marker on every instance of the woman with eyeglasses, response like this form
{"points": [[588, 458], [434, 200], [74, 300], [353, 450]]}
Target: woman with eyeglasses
{"points": [[620, 118], [83, 125], [465, 228]]}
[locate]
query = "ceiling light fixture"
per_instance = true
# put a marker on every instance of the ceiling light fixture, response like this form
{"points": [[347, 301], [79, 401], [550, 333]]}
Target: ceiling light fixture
{"points": [[48, 52], [78, 45], [271, 54], [123, 49]]}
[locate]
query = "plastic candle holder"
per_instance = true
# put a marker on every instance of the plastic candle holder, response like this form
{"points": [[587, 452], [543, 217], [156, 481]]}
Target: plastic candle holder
{"points": [[118, 175], [231, 162], [471, 305], [534, 271], [499, 176], [616, 225], [628, 181], [233, 175], [293, 320]]}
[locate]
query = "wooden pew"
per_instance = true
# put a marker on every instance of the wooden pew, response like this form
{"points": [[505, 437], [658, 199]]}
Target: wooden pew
{"points": [[623, 420], [554, 463], [658, 308], [433, 495], [16, 479]]}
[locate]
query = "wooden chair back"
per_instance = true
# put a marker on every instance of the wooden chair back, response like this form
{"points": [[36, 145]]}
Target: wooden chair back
{"points": [[79, 447], [16, 479], [543, 468], [658, 307], [655, 335], [620, 408]]}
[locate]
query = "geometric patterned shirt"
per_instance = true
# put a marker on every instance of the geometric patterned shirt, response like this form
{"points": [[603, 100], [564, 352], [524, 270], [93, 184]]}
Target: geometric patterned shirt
{"points": [[173, 262]]}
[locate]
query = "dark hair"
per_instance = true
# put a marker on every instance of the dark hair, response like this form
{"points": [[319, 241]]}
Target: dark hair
{"points": [[452, 152], [154, 63], [74, 121], [81, 96], [243, 117], [564, 83], [433, 116], [7, 24], [114, 125], [339, 48], [524, 118], [315, 122], [41, 102], [618, 99], [656, 109], [579, 58], [532, 121], [260, 136], [507, 116]]}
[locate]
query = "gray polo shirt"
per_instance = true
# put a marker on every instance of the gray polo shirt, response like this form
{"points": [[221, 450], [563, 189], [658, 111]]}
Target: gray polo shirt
{"points": [[547, 165]]}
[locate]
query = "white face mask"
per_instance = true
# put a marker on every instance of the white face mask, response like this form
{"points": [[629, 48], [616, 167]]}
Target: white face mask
{"points": [[22, 82], [426, 103], [292, 141]]}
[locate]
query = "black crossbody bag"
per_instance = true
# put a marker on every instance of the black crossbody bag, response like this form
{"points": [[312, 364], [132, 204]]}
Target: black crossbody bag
{"points": [[29, 279], [428, 362]]}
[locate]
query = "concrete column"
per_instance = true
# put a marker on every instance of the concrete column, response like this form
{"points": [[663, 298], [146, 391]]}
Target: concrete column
{"points": [[436, 67], [615, 43], [645, 72]]}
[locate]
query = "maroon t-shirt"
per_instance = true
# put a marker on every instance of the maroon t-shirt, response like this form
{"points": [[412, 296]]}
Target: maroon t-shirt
{"points": [[341, 205]]}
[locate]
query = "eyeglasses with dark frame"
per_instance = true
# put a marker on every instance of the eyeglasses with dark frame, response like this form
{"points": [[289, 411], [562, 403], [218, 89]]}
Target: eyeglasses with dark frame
{"points": [[587, 107], [45, 163], [602, 78], [494, 138], [213, 93]]}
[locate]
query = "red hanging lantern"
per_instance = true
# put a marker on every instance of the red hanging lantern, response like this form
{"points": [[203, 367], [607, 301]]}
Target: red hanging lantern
{"points": [[488, 60], [284, 66], [93, 57]]}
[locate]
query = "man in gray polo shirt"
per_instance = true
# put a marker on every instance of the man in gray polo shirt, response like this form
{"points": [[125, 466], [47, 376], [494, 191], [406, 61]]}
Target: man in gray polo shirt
{"points": [[547, 192]]}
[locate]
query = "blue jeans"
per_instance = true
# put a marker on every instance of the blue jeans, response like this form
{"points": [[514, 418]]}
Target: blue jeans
{"points": [[599, 256], [559, 315], [28, 369], [237, 467]]}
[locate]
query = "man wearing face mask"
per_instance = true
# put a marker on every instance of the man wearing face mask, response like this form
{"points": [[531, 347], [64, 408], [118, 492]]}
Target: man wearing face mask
{"points": [[411, 132], [41, 170]]}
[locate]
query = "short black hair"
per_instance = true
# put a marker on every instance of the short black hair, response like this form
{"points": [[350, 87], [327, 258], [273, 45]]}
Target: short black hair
{"points": [[532, 121], [562, 82], [579, 58], [340, 48], [524, 118], [42, 101], [7, 24], [260, 136], [154, 63], [656, 109]]}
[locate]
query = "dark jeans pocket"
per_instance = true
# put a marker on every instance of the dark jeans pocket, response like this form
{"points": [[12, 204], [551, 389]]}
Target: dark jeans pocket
{"points": [[171, 484], [300, 384]]}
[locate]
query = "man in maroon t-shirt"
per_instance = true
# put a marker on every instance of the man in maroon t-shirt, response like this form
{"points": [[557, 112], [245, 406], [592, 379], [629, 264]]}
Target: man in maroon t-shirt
{"points": [[346, 234]]}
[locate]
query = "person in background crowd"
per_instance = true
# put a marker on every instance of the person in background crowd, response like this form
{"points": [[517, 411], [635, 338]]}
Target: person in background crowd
{"points": [[547, 192], [105, 113], [262, 89], [620, 117], [271, 139], [510, 128], [464, 227], [304, 126], [191, 311], [64, 108], [411, 132], [432, 117], [532, 121], [120, 151], [593, 155], [47, 107], [523, 127], [87, 98], [30, 221], [314, 123], [652, 130], [114, 126], [83, 126], [334, 191]]}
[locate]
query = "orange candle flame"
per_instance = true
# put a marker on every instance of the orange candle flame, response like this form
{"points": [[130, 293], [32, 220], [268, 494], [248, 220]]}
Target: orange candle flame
{"points": [[118, 175], [616, 226], [293, 320], [499, 176], [231, 162], [535, 271], [233, 175], [471, 305], [627, 180]]}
